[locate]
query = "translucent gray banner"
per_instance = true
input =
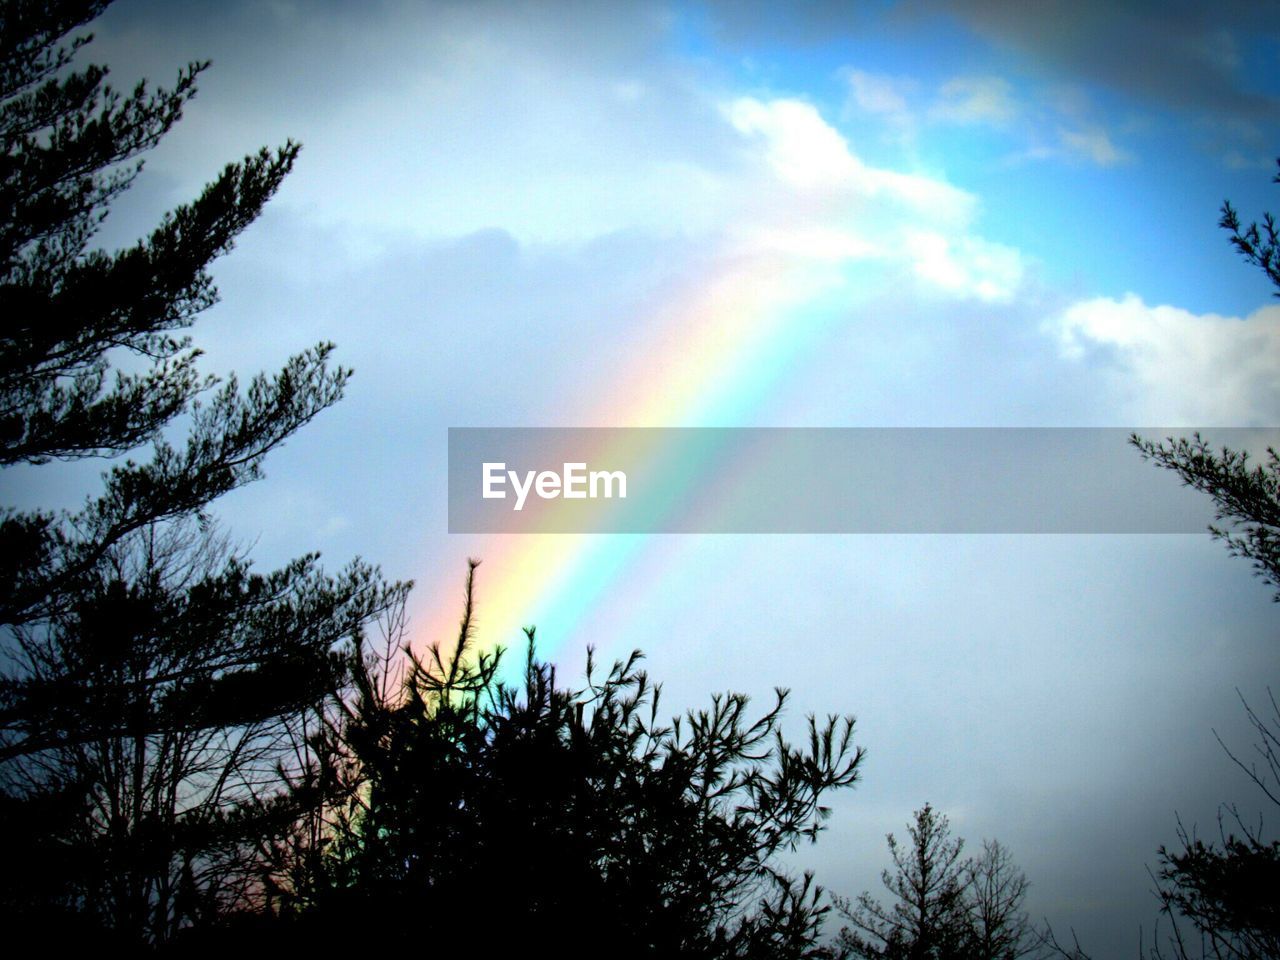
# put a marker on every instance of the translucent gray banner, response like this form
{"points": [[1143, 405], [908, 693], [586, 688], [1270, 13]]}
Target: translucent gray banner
{"points": [[824, 480]]}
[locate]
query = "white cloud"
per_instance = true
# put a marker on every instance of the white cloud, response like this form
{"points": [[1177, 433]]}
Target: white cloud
{"points": [[1171, 366], [825, 202], [967, 266], [801, 147], [809, 154]]}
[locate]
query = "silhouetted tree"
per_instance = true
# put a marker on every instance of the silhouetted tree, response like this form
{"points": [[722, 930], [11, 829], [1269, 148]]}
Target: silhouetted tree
{"points": [[1247, 497], [995, 889], [153, 686], [1217, 899], [1258, 245], [482, 816], [924, 919], [1226, 891], [943, 907]]}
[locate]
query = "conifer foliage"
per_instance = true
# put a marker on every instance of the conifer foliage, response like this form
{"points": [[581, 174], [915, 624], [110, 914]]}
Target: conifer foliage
{"points": [[192, 752], [506, 816], [153, 685], [942, 907], [1245, 492], [1217, 898]]}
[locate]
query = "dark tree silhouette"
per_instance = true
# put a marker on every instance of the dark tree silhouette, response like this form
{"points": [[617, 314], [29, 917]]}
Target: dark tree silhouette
{"points": [[1217, 899], [1258, 245], [1227, 892], [1247, 496], [924, 918], [942, 907], [153, 686], [995, 889], [483, 816]]}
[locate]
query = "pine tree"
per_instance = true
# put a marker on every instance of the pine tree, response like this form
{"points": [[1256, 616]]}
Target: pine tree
{"points": [[154, 686], [486, 819], [1247, 495], [994, 893], [925, 918], [942, 907], [1217, 897]]}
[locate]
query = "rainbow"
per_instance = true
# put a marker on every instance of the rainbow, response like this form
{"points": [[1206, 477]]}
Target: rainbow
{"points": [[708, 357]]}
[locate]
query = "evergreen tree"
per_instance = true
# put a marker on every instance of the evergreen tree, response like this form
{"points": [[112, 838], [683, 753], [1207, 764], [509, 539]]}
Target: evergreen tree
{"points": [[489, 818], [1247, 496], [924, 920], [1218, 898], [154, 687], [995, 889], [942, 907]]}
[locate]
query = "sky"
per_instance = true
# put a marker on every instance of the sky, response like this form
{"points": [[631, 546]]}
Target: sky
{"points": [[912, 214]]}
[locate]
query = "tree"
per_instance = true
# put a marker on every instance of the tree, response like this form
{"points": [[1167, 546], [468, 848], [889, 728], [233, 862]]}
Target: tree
{"points": [[995, 889], [1225, 891], [1259, 246], [943, 907], [587, 824], [1218, 898], [1247, 497], [923, 921], [154, 687]]}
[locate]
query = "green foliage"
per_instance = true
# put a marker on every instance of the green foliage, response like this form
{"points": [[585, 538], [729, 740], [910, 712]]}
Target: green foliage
{"points": [[155, 689], [576, 816]]}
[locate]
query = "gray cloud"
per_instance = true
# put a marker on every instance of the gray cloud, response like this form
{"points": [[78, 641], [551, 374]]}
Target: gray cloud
{"points": [[1212, 61], [1187, 55]]}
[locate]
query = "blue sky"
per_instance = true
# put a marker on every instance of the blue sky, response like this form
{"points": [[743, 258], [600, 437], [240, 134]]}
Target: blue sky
{"points": [[989, 215]]}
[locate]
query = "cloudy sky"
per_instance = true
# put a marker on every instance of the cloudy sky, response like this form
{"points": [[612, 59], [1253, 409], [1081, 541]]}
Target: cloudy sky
{"points": [[926, 213]]}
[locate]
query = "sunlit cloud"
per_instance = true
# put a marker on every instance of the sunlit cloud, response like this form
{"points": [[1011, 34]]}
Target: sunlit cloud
{"points": [[863, 211], [1168, 365]]}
